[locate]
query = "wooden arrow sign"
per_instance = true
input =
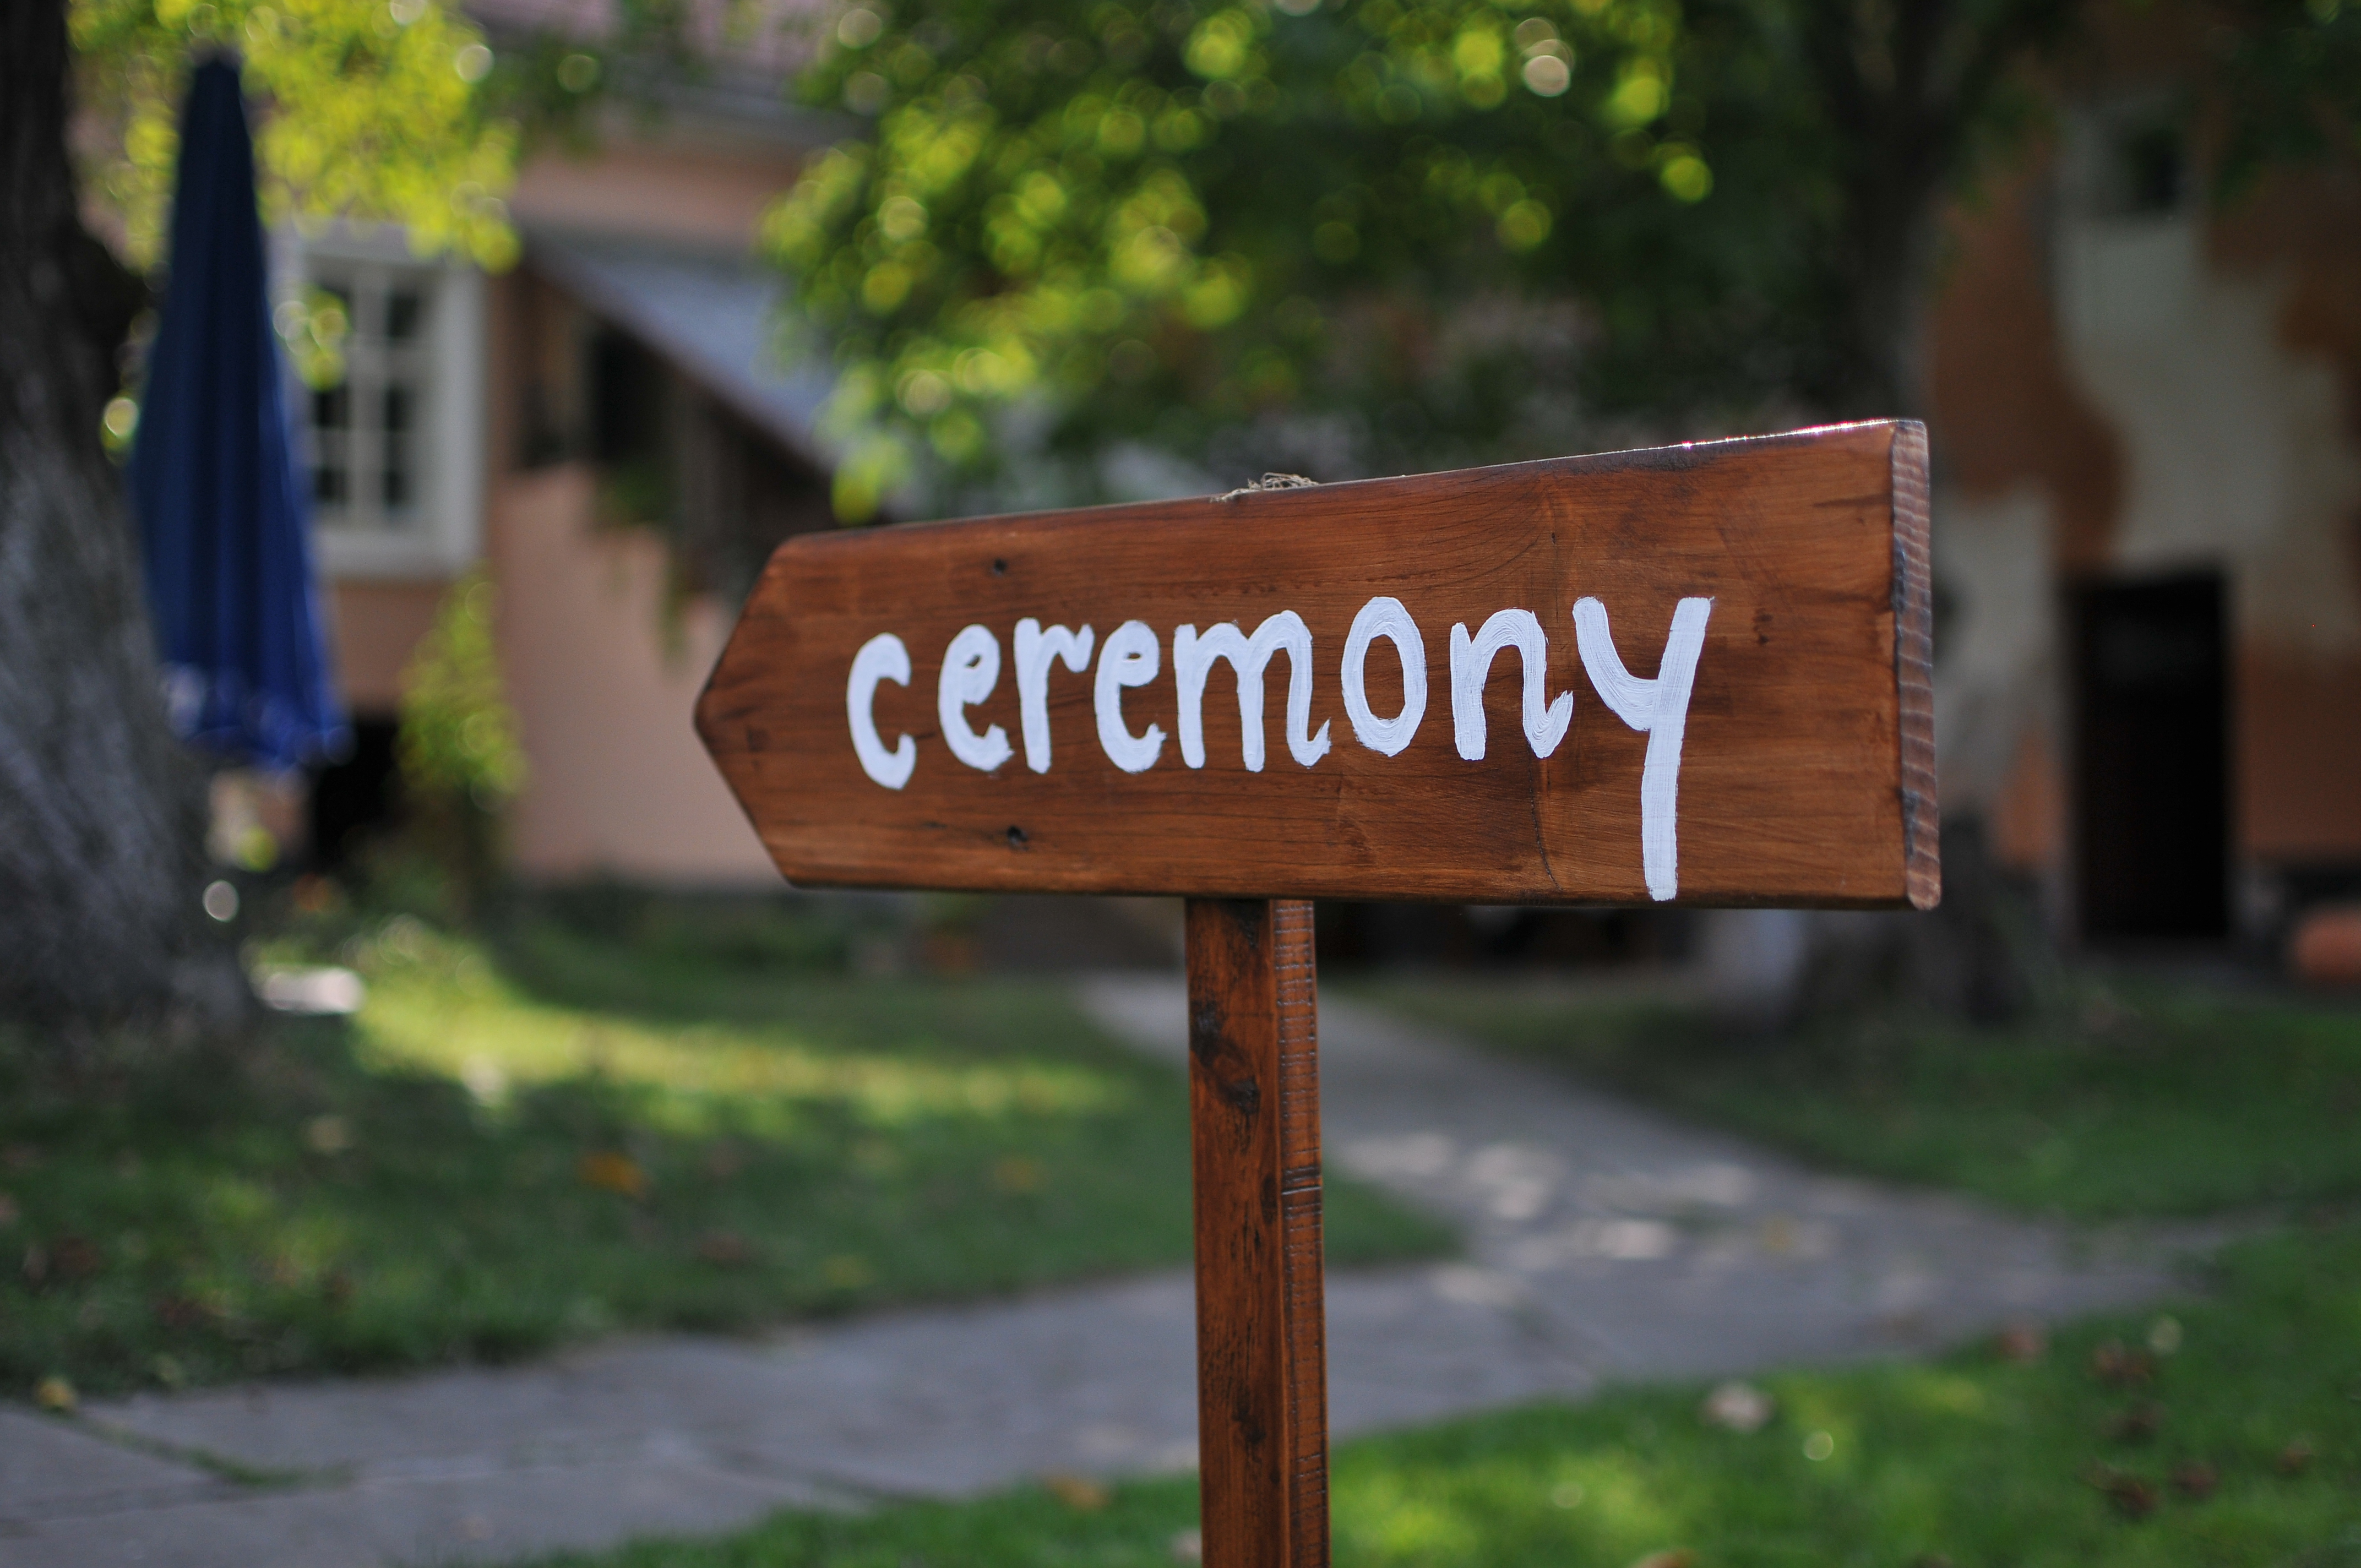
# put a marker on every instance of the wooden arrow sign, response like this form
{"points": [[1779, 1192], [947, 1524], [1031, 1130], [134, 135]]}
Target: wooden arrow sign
{"points": [[1694, 674], [1697, 672]]}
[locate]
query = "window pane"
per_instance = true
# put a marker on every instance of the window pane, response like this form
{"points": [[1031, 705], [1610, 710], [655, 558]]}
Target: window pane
{"points": [[405, 310], [400, 411], [332, 418]]}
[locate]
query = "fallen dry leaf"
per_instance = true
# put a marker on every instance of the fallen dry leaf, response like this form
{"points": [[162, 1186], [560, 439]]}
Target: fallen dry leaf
{"points": [[178, 1312], [2133, 1497], [2196, 1480], [69, 1258], [2137, 1424], [1018, 1174], [724, 1249], [2112, 1363], [612, 1172], [55, 1394], [1678, 1557], [2025, 1343], [1078, 1493]]}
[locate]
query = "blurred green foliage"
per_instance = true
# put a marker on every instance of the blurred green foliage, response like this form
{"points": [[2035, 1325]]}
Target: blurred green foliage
{"points": [[460, 757], [375, 111], [1465, 225]]}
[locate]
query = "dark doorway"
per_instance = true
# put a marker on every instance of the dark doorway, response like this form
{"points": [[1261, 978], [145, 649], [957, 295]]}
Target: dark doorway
{"points": [[2151, 755], [354, 796]]}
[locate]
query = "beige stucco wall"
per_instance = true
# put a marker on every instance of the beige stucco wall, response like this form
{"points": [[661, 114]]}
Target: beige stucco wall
{"points": [[374, 627], [603, 686]]}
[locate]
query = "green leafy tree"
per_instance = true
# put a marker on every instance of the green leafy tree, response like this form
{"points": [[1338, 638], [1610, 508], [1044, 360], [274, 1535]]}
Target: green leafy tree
{"points": [[1448, 219], [376, 112]]}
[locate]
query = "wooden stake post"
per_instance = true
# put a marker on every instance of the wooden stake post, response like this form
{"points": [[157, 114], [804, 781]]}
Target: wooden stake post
{"points": [[1254, 1138], [1430, 687]]}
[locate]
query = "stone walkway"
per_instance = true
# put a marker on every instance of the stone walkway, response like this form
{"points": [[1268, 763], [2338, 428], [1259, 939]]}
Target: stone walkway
{"points": [[1602, 1243]]}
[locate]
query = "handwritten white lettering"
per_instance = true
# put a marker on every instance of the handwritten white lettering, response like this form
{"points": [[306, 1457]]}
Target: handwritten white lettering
{"points": [[1036, 650], [1192, 662], [1129, 657], [881, 658], [971, 669], [1471, 664], [1385, 617], [1659, 708]]}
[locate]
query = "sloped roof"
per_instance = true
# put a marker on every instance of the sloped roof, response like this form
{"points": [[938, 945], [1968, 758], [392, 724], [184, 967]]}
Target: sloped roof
{"points": [[714, 319]]}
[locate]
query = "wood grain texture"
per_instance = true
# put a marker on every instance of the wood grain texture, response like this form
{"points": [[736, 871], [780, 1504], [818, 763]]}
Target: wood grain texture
{"points": [[1805, 775], [1914, 667], [1254, 1117]]}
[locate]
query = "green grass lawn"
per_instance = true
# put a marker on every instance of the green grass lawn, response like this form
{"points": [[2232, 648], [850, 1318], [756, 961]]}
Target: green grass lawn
{"points": [[2118, 1100], [560, 1133], [2240, 1445]]}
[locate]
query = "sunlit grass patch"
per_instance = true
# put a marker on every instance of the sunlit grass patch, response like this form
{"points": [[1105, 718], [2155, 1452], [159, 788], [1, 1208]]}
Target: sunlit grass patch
{"points": [[560, 1133], [439, 1005]]}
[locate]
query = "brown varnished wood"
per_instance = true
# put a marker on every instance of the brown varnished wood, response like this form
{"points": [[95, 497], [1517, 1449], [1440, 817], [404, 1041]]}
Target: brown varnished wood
{"points": [[1806, 778], [1253, 1109]]}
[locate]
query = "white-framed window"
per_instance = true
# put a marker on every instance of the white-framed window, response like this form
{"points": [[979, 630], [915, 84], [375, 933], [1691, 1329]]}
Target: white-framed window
{"points": [[393, 450]]}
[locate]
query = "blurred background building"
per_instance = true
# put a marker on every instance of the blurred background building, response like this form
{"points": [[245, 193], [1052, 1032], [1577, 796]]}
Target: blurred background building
{"points": [[2146, 423]]}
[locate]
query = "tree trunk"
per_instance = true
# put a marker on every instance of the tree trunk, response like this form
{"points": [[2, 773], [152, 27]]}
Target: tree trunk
{"points": [[1905, 85], [103, 930]]}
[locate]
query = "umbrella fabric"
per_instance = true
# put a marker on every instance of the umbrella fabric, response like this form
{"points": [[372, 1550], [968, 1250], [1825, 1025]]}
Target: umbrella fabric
{"points": [[223, 521]]}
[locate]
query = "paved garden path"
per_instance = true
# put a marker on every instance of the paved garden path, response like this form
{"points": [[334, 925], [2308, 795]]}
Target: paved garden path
{"points": [[1602, 1243]]}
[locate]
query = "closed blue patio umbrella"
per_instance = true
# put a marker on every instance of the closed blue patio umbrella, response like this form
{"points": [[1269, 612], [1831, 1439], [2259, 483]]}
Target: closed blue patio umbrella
{"points": [[222, 519]]}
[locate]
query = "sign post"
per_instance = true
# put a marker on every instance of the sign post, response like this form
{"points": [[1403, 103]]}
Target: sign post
{"points": [[1696, 674]]}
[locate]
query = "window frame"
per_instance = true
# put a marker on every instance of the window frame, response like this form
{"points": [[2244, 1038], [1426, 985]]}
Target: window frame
{"points": [[447, 532]]}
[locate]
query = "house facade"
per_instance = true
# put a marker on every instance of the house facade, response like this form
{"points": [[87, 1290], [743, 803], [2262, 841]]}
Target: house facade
{"points": [[2146, 417], [606, 429]]}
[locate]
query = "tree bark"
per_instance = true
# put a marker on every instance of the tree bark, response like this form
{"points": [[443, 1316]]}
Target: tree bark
{"points": [[1907, 86], [102, 931]]}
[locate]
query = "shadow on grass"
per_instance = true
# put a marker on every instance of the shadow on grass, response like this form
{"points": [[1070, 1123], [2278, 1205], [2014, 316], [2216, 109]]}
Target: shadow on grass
{"points": [[556, 1137]]}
